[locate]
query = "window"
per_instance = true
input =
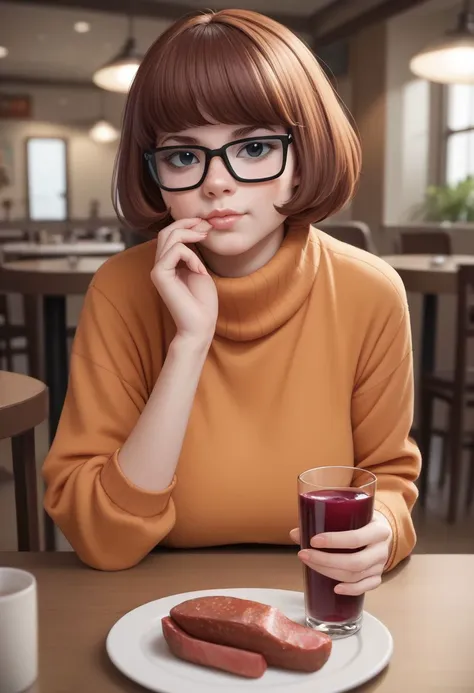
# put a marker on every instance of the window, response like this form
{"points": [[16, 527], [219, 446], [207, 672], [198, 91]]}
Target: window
{"points": [[460, 133], [46, 165]]}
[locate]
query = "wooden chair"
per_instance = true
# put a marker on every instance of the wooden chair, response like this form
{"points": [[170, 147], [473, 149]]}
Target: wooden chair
{"points": [[425, 243], [354, 233], [23, 405], [457, 390], [9, 333], [6, 351]]}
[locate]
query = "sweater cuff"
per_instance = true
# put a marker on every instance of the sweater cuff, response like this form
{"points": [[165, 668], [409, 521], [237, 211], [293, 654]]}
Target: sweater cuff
{"points": [[130, 498], [388, 514]]}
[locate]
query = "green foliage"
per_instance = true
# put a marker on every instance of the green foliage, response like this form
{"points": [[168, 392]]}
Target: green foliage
{"points": [[448, 203]]}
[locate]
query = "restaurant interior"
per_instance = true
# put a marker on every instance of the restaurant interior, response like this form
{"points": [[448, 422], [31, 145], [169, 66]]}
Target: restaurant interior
{"points": [[404, 69]]}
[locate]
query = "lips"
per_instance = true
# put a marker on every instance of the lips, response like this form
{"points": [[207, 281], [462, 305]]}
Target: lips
{"points": [[223, 218], [222, 213]]}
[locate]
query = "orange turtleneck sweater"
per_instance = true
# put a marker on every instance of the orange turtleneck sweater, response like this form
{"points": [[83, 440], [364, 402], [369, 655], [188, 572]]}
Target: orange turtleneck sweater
{"points": [[311, 365]]}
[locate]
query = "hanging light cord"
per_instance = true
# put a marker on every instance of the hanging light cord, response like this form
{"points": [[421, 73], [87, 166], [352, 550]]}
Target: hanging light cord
{"points": [[466, 17], [130, 26]]}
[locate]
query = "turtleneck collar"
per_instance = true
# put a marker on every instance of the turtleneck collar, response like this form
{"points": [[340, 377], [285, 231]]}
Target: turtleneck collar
{"points": [[254, 306]]}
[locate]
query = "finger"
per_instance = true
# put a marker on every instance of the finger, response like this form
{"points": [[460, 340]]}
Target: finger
{"points": [[353, 562], [180, 224], [372, 533], [177, 253], [357, 588], [295, 535], [350, 577], [185, 236]]}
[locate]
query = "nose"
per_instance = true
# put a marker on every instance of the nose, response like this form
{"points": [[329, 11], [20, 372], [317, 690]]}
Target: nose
{"points": [[218, 180]]}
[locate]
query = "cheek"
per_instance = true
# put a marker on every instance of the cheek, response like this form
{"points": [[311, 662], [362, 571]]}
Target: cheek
{"points": [[182, 205], [271, 194]]}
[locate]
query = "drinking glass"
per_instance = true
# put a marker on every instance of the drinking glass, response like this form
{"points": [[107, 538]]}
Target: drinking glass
{"points": [[333, 499]]}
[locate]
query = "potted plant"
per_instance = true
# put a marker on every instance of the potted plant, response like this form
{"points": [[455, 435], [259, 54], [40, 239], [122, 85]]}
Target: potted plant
{"points": [[448, 203]]}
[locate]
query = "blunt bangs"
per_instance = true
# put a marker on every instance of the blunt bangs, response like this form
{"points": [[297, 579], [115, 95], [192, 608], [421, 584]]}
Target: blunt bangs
{"points": [[209, 73]]}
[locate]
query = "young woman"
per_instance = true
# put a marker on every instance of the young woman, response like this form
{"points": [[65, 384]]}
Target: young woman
{"points": [[241, 346]]}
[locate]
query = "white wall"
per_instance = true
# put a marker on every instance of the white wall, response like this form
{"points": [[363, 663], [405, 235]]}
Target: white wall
{"points": [[69, 114]]}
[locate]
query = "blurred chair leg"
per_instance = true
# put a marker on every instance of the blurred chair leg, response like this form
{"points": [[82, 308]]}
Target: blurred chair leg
{"points": [[6, 353], [9, 355], [7, 350], [443, 471], [470, 481], [456, 429], [426, 416], [49, 532], [32, 318], [24, 472]]}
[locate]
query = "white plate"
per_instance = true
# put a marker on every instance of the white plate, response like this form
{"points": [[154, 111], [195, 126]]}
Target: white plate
{"points": [[136, 646]]}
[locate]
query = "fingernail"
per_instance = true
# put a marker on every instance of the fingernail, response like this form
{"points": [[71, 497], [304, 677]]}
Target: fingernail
{"points": [[304, 555], [317, 541]]}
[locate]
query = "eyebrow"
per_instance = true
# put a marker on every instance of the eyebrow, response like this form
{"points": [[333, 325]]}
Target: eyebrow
{"points": [[236, 134]]}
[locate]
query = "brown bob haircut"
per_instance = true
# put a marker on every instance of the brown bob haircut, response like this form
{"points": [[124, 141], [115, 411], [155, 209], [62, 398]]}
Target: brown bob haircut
{"points": [[237, 67]]}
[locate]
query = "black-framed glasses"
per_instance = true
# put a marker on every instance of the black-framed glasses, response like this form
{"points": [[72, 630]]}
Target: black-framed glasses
{"points": [[248, 160]]}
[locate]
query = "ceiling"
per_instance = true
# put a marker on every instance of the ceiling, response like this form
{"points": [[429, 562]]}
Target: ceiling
{"points": [[42, 42], [43, 45]]}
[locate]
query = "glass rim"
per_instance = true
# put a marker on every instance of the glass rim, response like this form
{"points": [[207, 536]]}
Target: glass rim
{"points": [[373, 479]]}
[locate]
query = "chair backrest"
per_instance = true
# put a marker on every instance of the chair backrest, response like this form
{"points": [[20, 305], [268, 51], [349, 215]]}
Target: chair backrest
{"points": [[356, 233], [425, 243]]}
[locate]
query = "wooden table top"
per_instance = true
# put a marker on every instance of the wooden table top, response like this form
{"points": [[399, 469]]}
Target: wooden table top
{"points": [[427, 604], [23, 403], [420, 273], [53, 276]]}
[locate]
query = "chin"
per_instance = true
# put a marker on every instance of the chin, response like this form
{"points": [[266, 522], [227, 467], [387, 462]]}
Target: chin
{"points": [[229, 243]]}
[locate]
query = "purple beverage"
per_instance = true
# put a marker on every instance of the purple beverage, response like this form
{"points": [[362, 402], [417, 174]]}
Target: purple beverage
{"points": [[332, 510]]}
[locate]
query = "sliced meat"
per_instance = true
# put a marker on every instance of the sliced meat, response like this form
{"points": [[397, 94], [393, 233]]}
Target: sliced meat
{"points": [[249, 664], [256, 627]]}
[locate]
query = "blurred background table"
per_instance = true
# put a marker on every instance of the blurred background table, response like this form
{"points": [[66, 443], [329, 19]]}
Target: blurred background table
{"points": [[422, 274], [51, 281]]}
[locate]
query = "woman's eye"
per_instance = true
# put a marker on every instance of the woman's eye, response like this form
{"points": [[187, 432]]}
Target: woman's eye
{"points": [[255, 150], [182, 159]]}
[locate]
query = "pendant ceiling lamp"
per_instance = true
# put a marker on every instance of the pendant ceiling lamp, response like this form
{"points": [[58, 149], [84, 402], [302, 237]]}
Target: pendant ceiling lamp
{"points": [[450, 60], [102, 131], [118, 74]]}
